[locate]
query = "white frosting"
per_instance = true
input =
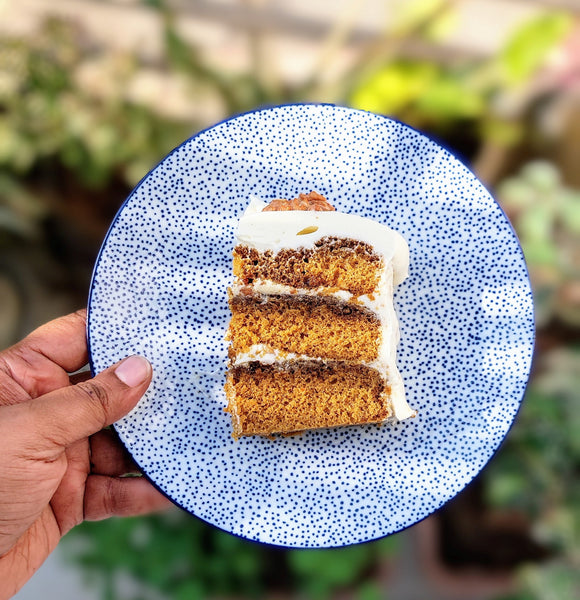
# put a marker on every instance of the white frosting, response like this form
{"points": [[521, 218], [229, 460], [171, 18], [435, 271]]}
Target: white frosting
{"points": [[277, 230], [266, 287]]}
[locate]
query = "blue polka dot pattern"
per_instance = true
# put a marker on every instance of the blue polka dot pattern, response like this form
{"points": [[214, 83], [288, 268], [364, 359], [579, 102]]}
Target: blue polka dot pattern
{"points": [[159, 289]]}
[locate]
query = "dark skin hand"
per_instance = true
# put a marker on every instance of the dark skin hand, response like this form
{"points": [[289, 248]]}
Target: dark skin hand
{"points": [[58, 466]]}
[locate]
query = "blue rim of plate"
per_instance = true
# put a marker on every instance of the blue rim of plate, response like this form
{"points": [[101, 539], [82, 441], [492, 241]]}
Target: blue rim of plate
{"points": [[150, 446]]}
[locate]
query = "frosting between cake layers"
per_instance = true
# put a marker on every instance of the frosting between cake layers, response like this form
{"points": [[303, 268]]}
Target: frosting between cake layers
{"points": [[385, 361], [271, 288], [273, 230]]}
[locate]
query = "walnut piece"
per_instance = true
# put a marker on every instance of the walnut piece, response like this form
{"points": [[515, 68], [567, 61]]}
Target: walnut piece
{"points": [[312, 201]]}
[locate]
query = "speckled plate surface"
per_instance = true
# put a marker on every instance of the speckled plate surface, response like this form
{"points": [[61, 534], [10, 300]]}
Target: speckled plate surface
{"points": [[159, 289]]}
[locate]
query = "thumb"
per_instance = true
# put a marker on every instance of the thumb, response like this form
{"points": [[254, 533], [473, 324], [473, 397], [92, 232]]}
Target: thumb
{"points": [[73, 413]]}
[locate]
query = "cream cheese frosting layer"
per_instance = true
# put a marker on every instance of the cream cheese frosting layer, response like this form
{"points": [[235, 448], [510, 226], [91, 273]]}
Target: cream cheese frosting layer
{"points": [[274, 230], [265, 287]]}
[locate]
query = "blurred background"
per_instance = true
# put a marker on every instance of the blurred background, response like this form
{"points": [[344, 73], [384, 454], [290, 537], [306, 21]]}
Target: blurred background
{"points": [[94, 93]]}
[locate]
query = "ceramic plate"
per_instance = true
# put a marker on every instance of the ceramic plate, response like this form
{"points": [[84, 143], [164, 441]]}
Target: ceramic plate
{"points": [[159, 289]]}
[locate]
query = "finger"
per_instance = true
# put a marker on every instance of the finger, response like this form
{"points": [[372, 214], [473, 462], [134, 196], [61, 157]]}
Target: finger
{"points": [[11, 392], [67, 501], [40, 362], [65, 416], [108, 457], [62, 341], [121, 497]]}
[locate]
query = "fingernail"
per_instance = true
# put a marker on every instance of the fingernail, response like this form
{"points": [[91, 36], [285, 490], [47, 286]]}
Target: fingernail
{"points": [[133, 370]]}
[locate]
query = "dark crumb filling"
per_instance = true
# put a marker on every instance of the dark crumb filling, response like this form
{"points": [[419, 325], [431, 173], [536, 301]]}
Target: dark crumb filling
{"points": [[344, 246], [333, 262], [308, 368], [281, 302]]}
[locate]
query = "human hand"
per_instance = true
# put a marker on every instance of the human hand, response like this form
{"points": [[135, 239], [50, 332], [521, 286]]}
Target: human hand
{"points": [[58, 466]]}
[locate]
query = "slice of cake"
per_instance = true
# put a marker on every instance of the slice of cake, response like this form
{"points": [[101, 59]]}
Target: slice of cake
{"points": [[313, 332]]}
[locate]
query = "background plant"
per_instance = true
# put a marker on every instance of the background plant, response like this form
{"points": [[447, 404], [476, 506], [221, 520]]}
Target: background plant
{"points": [[185, 559], [546, 214], [536, 473], [48, 121]]}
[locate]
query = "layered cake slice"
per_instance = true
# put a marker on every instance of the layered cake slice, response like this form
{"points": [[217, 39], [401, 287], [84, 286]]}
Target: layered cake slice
{"points": [[313, 332]]}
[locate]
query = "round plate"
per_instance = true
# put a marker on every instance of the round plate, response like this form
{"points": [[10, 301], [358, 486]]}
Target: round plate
{"points": [[466, 315]]}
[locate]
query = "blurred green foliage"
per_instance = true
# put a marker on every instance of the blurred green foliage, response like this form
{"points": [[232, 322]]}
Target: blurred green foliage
{"points": [[537, 468], [183, 558], [526, 50], [435, 96], [536, 473], [420, 91], [173, 554], [318, 573], [546, 215], [47, 119], [552, 581], [20, 210]]}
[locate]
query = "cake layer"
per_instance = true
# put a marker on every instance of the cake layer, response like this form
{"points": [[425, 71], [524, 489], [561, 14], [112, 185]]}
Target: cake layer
{"points": [[300, 395], [324, 326], [273, 231], [343, 264]]}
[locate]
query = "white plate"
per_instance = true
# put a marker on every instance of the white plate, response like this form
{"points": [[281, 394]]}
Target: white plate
{"points": [[467, 331]]}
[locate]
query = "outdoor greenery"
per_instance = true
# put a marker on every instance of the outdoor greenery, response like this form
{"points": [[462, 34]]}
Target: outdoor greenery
{"points": [[189, 560], [537, 473], [55, 135], [427, 94], [546, 214], [537, 470], [47, 119]]}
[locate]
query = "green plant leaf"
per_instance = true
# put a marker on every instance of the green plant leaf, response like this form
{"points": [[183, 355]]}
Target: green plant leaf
{"points": [[570, 210], [447, 98], [501, 131], [527, 49], [412, 13], [394, 87], [542, 175], [370, 591], [506, 488], [515, 193], [322, 571], [536, 224], [155, 4], [190, 590]]}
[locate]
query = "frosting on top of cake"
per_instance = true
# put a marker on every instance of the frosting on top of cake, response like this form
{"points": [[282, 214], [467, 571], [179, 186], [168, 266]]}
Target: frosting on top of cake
{"points": [[273, 230]]}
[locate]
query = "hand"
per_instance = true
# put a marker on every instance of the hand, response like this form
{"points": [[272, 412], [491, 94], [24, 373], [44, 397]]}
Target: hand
{"points": [[58, 466]]}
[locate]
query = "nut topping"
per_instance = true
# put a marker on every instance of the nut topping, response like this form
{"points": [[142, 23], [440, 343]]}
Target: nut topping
{"points": [[310, 229], [312, 201]]}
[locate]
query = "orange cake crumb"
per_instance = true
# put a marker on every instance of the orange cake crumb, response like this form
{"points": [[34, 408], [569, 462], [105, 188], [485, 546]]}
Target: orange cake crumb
{"points": [[266, 398], [304, 325], [337, 263]]}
